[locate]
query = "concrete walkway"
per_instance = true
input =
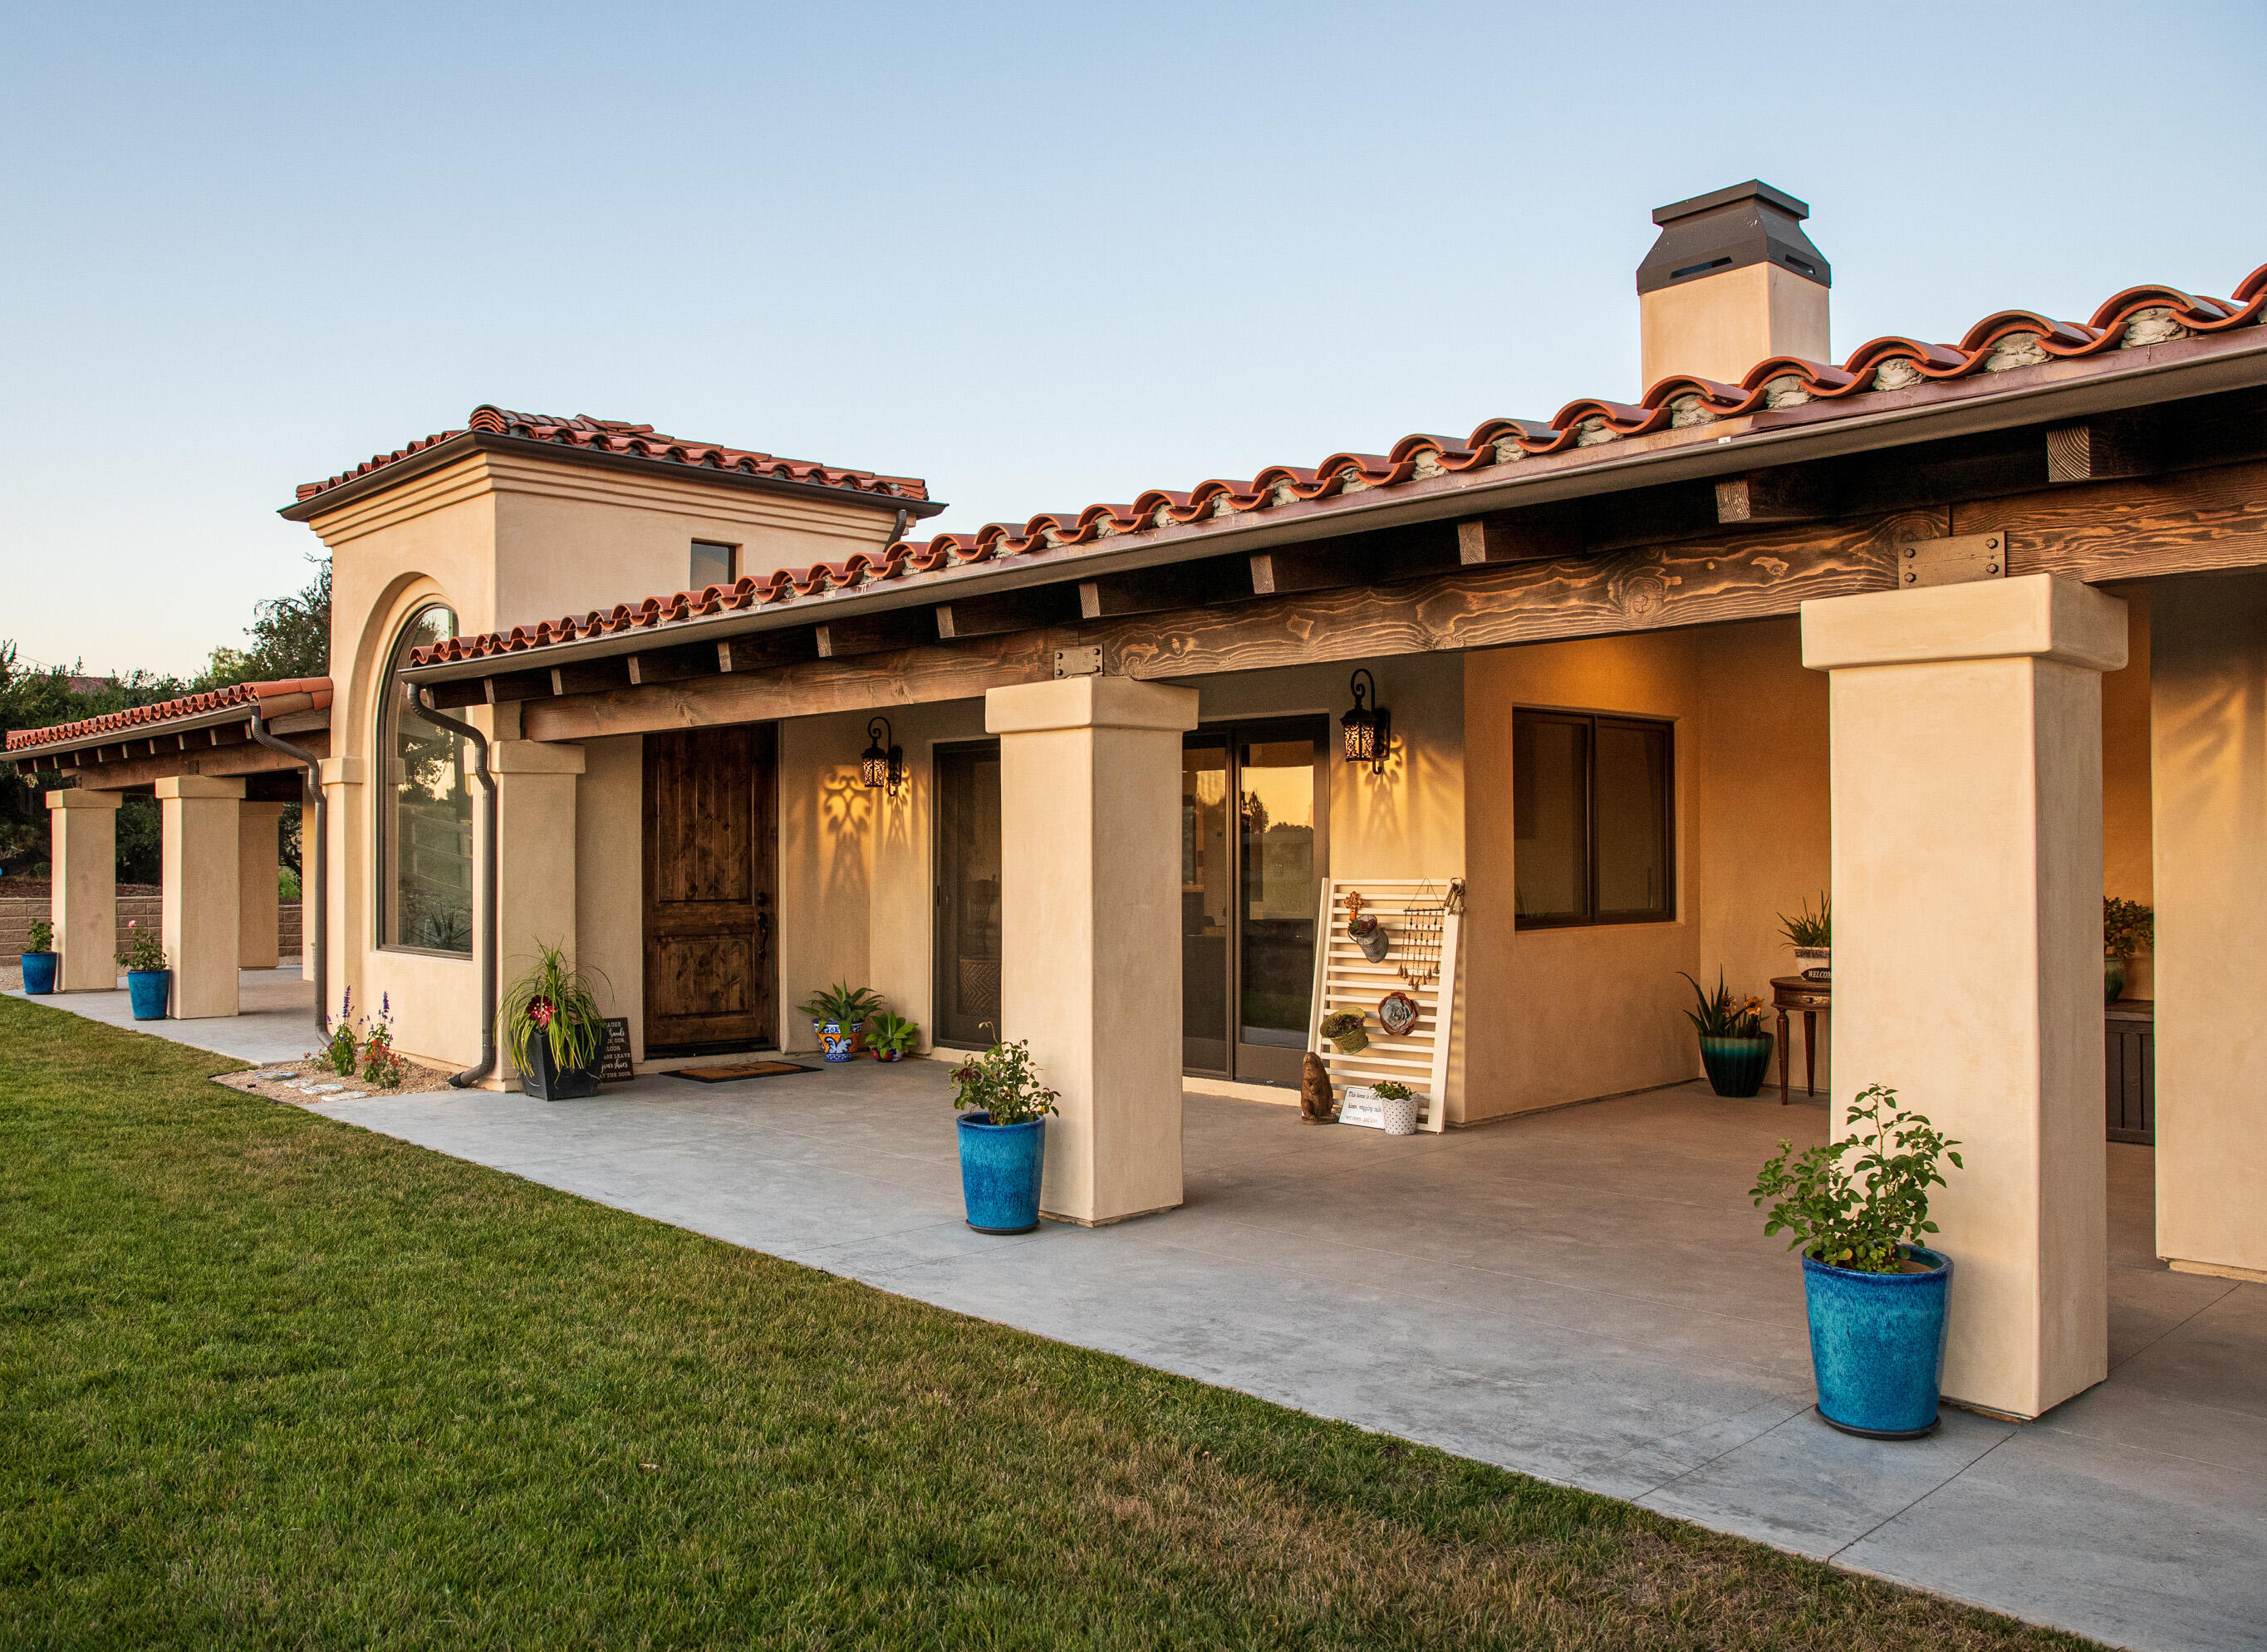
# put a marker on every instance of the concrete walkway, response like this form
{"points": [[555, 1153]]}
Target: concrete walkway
{"points": [[276, 1022]]}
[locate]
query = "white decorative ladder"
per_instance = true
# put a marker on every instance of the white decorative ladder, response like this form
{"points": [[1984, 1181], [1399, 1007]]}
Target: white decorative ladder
{"points": [[1345, 979]]}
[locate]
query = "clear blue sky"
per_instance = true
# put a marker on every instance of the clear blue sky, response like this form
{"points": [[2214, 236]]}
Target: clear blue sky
{"points": [[1040, 255]]}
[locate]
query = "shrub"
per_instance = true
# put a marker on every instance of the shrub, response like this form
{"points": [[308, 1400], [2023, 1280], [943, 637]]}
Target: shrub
{"points": [[1861, 1214]]}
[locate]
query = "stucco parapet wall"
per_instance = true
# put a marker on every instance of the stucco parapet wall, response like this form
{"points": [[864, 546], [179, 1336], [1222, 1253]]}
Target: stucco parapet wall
{"points": [[344, 771], [2044, 616], [80, 797], [199, 786], [1089, 702], [534, 757]]}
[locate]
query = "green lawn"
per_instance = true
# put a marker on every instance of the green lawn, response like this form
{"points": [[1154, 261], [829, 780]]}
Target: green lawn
{"points": [[269, 1380]]}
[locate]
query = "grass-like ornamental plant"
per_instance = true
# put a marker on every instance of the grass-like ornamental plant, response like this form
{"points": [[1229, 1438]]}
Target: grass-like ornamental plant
{"points": [[2127, 927], [1809, 928], [143, 950], [1721, 1015], [1003, 1083], [554, 999], [39, 936], [843, 1004], [1855, 1203]]}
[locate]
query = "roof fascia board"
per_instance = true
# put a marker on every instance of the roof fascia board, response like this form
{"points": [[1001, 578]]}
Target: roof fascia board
{"points": [[193, 723], [1926, 412], [469, 442]]}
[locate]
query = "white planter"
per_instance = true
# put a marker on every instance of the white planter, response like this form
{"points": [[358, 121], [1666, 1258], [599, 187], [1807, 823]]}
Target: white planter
{"points": [[1399, 1115], [1813, 963]]}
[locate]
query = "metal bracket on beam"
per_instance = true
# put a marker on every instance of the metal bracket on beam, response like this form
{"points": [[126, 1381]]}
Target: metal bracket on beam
{"points": [[1079, 662], [1959, 561]]}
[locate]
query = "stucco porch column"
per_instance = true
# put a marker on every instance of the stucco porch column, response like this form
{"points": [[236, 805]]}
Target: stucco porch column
{"points": [[2208, 764], [1966, 775], [1091, 934], [83, 895], [257, 943], [202, 890], [536, 787]]}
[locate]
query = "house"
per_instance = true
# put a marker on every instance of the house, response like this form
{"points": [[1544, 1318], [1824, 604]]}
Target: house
{"points": [[1966, 633]]}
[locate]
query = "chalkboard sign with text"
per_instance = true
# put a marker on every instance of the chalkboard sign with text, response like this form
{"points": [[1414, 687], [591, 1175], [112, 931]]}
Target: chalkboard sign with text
{"points": [[614, 1065]]}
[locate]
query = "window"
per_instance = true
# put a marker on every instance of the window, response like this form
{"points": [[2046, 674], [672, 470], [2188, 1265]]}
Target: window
{"points": [[1594, 823], [424, 814], [714, 564]]}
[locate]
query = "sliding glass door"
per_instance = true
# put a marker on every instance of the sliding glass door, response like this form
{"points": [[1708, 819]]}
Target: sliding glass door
{"points": [[967, 895]]}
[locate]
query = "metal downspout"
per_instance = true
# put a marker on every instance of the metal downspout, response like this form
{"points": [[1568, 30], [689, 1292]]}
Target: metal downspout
{"points": [[484, 941], [319, 885]]}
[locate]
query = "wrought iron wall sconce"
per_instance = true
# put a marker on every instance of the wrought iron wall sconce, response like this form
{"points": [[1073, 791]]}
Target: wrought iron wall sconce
{"points": [[1368, 730], [882, 766]]}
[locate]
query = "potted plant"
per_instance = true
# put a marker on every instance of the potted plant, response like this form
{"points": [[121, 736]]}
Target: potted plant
{"points": [[839, 1017], [554, 1027], [1734, 1046], [1002, 1130], [2127, 927], [892, 1037], [1343, 1028], [1812, 937], [1400, 1106], [149, 983], [39, 957], [1857, 1209]]}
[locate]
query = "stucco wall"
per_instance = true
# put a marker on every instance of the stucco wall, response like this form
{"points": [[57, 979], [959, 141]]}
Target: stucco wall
{"points": [[826, 825], [609, 888]]}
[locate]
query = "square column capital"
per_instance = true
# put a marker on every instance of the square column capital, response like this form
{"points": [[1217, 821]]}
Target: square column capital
{"points": [[2040, 616], [199, 786], [340, 771], [1089, 702], [79, 797], [534, 757]]}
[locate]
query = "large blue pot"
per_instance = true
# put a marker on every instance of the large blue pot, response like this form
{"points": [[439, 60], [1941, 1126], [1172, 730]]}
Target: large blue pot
{"points": [[149, 988], [1736, 1067], [40, 970], [1877, 1345], [999, 1167]]}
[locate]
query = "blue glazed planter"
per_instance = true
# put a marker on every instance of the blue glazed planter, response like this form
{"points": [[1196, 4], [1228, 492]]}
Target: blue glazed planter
{"points": [[40, 972], [1877, 1345], [999, 1167], [839, 1045], [148, 988], [1736, 1066]]}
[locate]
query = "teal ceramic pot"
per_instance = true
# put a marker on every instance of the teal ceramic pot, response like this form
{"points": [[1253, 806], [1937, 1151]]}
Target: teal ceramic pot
{"points": [[545, 1080], [839, 1043], [149, 990], [2113, 978], [1736, 1066], [999, 1169], [1877, 1345], [40, 972]]}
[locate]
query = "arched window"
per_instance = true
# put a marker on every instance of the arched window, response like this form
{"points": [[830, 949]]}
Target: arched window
{"points": [[424, 813]]}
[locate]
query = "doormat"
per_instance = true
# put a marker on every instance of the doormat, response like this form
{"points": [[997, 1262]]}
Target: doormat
{"points": [[739, 1070]]}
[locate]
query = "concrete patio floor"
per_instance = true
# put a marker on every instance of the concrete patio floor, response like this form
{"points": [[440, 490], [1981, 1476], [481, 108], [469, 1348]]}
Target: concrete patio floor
{"points": [[276, 1021], [1585, 1295]]}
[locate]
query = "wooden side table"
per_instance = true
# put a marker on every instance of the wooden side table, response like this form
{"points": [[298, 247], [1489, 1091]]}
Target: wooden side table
{"points": [[1791, 991]]}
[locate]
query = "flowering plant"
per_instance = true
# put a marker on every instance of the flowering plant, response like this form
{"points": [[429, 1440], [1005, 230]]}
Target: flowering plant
{"points": [[380, 1066], [143, 950], [1003, 1083], [1721, 1015], [338, 1046], [1861, 1215], [553, 999]]}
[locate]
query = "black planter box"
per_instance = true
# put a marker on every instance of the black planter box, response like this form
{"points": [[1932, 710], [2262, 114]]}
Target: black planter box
{"points": [[546, 1080]]}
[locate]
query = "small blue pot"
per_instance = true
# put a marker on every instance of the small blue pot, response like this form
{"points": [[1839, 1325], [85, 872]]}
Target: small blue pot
{"points": [[1877, 1346], [40, 972], [149, 988], [1736, 1066], [999, 1169]]}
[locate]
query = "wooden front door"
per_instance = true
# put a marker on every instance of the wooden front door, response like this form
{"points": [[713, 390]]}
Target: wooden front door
{"points": [[710, 831]]}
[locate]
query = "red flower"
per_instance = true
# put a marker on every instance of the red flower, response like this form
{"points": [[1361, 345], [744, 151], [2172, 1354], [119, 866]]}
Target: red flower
{"points": [[540, 1012]]}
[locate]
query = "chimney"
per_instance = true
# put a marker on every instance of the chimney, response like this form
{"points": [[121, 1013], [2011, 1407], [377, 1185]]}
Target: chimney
{"points": [[1732, 280]]}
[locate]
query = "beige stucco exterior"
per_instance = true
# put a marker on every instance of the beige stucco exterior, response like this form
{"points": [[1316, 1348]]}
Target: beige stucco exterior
{"points": [[1719, 327], [257, 894], [82, 904], [200, 891]]}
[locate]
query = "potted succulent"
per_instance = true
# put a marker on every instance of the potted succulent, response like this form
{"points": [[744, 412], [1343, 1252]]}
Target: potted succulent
{"points": [[2127, 927], [554, 1027], [1734, 1046], [1812, 937], [892, 1037], [1399, 1108], [1003, 1143], [1857, 1209], [1344, 1029], [149, 983], [39, 957], [838, 1014]]}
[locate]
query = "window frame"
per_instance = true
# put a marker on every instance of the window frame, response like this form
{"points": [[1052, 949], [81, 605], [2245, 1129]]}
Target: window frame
{"points": [[731, 563], [385, 894], [1592, 722]]}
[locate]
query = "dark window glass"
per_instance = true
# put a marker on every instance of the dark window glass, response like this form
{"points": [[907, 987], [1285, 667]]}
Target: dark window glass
{"points": [[1277, 968], [713, 564], [1593, 819], [424, 815], [968, 895]]}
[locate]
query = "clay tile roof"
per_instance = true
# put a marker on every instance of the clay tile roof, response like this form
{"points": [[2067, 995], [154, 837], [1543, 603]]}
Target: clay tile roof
{"points": [[283, 696], [636, 441], [2135, 317]]}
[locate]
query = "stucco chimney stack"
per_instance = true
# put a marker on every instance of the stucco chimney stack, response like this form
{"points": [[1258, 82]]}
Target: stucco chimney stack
{"points": [[1731, 281]]}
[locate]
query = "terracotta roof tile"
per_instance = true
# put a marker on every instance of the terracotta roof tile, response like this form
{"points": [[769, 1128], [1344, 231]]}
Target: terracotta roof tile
{"points": [[2135, 317], [638, 441], [318, 689]]}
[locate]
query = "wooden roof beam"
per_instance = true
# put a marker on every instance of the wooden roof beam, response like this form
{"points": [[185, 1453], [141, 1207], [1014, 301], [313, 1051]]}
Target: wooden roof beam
{"points": [[1178, 585], [2105, 447], [1029, 608], [675, 664], [881, 633], [1793, 494]]}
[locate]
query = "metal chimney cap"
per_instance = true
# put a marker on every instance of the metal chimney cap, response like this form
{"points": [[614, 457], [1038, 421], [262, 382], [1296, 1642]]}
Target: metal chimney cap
{"points": [[1728, 229]]}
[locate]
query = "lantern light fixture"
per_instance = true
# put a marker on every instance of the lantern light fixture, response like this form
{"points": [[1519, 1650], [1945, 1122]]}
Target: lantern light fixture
{"points": [[1367, 728], [882, 767]]}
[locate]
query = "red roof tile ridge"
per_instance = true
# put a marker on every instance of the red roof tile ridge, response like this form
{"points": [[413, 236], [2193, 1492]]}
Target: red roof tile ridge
{"points": [[318, 689], [638, 441], [2010, 338]]}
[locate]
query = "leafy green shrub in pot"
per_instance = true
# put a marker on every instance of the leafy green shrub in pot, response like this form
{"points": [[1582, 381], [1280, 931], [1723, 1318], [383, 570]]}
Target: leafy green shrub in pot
{"points": [[892, 1037], [838, 1015], [2127, 927]]}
